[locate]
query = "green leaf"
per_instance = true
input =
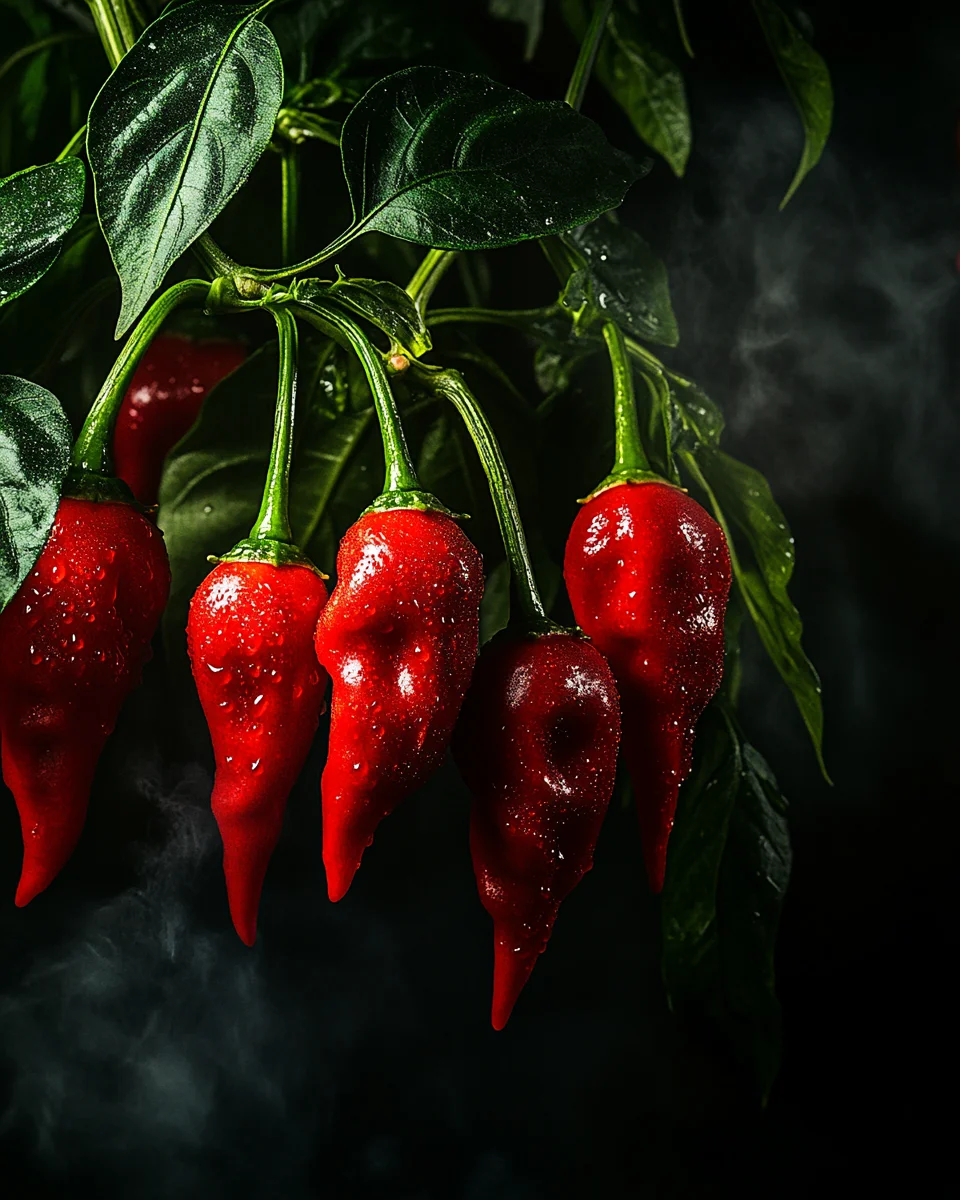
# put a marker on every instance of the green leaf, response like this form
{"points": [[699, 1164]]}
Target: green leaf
{"points": [[459, 162], [383, 304], [727, 872], [174, 133], [621, 280], [35, 443], [525, 12], [38, 207], [763, 559], [644, 81], [808, 82]]}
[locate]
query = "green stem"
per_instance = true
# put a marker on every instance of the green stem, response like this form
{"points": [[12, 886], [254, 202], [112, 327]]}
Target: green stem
{"points": [[682, 26], [511, 318], [450, 385], [588, 53], [290, 175], [213, 258], [91, 451], [124, 23], [37, 48], [629, 455], [273, 274], [428, 275], [399, 475], [71, 146], [273, 520], [109, 31]]}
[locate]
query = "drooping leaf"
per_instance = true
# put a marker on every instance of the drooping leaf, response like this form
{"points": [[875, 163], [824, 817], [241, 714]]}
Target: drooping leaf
{"points": [[384, 304], [643, 79], [175, 131], [38, 207], [763, 564], [528, 13], [727, 872], [459, 162], [621, 280], [808, 82], [35, 440]]}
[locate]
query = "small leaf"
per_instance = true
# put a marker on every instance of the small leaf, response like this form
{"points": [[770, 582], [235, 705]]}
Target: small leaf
{"points": [[524, 12], [174, 133], [808, 82], [727, 872], [763, 565], [459, 162], [384, 304], [623, 281], [35, 441], [38, 207]]}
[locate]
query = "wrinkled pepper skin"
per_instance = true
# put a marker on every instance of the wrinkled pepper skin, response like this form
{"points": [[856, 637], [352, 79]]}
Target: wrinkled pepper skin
{"points": [[250, 638], [162, 402], [399, 639], [537, 746], [73, 643], [648, 574]]}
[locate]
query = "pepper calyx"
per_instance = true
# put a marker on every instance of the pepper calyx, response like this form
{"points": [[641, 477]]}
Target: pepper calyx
{"points": [[268, 550], [615, 478], [91, 485], [416, 499]]}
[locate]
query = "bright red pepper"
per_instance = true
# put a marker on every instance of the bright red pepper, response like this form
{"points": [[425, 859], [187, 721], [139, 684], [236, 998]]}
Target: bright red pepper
{"points": [[648, 573], [250, 636], [73, 642], [537, 745], [399, 638], [162, 402]]}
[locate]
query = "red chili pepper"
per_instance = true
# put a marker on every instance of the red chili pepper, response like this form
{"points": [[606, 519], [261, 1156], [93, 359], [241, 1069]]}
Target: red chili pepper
{"points": [[73, 642], [399, 638], [537, 746], [648, 572], [162, 402], [250, 636]]}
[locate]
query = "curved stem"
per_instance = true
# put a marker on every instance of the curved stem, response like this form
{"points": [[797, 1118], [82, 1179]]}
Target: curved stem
{"points": [[273, 274], [71, 146], [91, 451], [588, 53], [399, 475], [511, 318], [213, 258], [629, 454], [428, 275], [273, 520], [450, 385], [290, 189]]}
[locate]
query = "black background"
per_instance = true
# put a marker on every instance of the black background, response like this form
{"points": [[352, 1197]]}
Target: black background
{"points": [[146, 1052]]}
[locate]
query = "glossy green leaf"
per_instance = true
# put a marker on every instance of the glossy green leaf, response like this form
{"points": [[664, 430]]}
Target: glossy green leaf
{"points": [[644, 81], [459, 162], [763, 561], [35, 441], [727, 872], [382, 303], [528, 13], [808, 82], [175, 131], [38, 207], [621, 280]]}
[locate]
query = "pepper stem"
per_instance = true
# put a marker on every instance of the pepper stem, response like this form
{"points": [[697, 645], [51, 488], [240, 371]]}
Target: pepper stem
{"points": [[450, 385], [428, 275], [583, 67], [629, 454], [91, 451], [273, 520]]}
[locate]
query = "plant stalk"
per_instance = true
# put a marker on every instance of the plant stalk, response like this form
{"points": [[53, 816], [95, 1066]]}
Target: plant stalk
{"points": [[273, 520], [583, 67]]}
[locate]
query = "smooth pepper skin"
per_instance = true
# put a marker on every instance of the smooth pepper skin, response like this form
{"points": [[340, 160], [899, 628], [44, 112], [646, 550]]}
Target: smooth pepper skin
{"points": [[250, 639], [648, 573], [399, 638], [73, 642], [537, 746], [162, 402]]}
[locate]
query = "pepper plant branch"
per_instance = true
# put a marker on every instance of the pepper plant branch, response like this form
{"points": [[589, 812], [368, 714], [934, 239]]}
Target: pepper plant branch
{"points": [[583, 67], [512, 318], [290, 193], [273, 520], [91, 451], [428, 275], [75, 144], [110, 32]]}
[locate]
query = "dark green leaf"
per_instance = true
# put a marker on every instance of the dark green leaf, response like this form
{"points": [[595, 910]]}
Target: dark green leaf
{"points": [[763, 564], [38, 207], [525, 12], [808, 82], [697, 413], [621, 280], [728, 869], [644, 81], [174, 133], [384, 304], [35, 442], [459, 162]]}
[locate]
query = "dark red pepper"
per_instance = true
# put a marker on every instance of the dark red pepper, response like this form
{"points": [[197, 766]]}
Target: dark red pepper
{"points": [[73, 642], [537, 746], [162, 402], [648, 573], [399, 638], [250, 637]]}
